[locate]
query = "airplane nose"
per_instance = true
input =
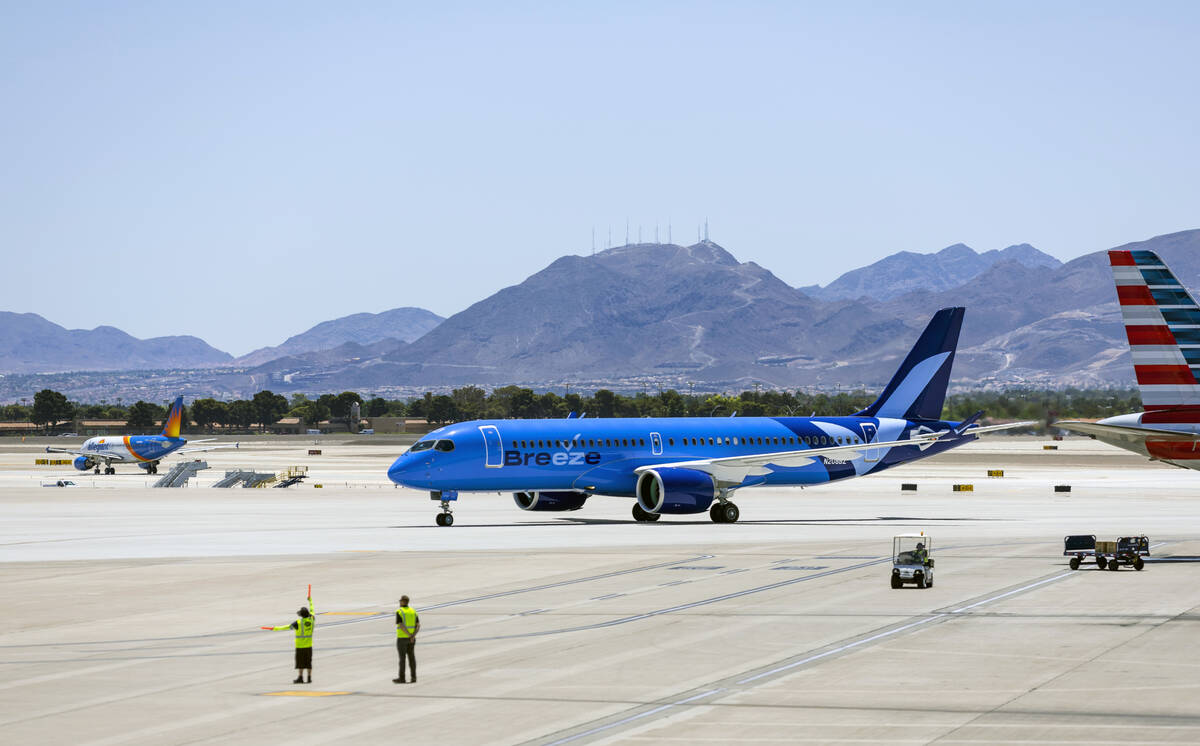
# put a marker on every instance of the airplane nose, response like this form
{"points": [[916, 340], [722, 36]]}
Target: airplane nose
{"points": [[397, 471]]}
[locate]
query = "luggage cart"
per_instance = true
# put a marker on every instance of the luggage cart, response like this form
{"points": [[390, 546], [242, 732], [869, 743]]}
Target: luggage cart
{"points": [[1126, 550]]}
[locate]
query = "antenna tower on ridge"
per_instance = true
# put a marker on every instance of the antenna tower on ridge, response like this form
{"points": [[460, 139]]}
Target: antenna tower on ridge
{"points": [[706, 229]]}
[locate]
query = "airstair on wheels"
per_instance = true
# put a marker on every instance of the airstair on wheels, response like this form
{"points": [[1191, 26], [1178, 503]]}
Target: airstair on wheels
{"points": [[180, 473]]}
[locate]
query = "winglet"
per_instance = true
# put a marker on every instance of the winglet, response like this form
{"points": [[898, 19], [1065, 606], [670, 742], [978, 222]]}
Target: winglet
{"points": [[174, 419], [962, 426]]}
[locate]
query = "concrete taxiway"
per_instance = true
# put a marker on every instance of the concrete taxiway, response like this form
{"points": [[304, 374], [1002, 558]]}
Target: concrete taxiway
{"points": [[132, 614]]}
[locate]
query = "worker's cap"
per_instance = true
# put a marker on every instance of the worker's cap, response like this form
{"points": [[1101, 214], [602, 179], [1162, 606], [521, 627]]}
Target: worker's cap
{"points": [[920, 545]]}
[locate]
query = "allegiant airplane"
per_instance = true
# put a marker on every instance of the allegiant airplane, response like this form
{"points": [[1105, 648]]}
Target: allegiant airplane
{"points": [[144, 450], [681, 465], [1162, 324]]}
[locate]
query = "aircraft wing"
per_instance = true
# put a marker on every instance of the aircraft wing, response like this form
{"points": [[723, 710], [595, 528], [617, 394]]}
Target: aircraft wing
{"points": [[1131, 435], [106, 457], [208, 448], [975, 430], [735, 469]]}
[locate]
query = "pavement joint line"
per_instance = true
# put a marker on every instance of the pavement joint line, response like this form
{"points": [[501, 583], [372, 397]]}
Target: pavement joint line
{"points": [[633, 718], [304, 694], [932, 617]]}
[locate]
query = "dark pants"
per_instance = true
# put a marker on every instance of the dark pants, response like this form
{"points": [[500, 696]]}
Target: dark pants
{"points": [[304, 658], [405, 648]]}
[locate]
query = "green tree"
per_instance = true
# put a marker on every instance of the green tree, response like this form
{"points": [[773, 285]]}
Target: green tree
{"points": [[269, 407], [470, 402], [606, 403], [209, 412], [377, 407], [142, 415], [441, 410], [242, 413], [342, 403], [49, 407]]}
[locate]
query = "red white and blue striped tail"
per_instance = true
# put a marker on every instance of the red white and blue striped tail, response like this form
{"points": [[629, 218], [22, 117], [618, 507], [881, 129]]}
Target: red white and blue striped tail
{"points": [[1162, 323]]}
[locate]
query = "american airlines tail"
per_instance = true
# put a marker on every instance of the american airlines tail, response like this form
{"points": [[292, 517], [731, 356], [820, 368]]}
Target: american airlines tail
{"points": [[174, 419], [1162, 323], [918, 389]]}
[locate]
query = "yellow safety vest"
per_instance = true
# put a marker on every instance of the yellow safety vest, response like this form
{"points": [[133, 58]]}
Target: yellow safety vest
{"points": [[304, 632], [408, 615]]}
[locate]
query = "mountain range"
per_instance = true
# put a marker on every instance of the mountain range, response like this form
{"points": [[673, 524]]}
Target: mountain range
{"points": [[401, 324], [31, 344], [907, 271], [663, 315]]}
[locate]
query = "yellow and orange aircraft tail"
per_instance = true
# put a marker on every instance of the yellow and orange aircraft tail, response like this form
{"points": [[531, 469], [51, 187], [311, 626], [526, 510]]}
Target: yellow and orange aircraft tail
{"points": [[174, 419]]}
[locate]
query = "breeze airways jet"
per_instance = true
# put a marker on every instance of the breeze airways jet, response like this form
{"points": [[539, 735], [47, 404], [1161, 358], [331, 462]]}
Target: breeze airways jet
{"points": [[144, 450], [680, 465]]}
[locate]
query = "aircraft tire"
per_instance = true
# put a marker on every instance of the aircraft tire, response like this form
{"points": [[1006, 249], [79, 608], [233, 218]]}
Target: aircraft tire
{"points": [[716, 514], [730, 512], [640, 514], [449, 519], [440, 519]]}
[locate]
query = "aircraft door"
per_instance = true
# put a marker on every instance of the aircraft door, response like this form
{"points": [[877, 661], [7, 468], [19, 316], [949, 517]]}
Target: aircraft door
{"points": [[493, 448], [869, 433], [656, 444]]}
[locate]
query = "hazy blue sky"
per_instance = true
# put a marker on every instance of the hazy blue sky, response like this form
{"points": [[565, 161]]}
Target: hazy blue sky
{"points": [[241, 171]]}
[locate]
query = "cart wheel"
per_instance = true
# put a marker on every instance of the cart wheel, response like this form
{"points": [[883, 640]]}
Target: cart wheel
{"points": [[896, 582], [1102, 562], [1114, 565], [920, 581], [929, 583], [1138, 563], [1074, 563]]}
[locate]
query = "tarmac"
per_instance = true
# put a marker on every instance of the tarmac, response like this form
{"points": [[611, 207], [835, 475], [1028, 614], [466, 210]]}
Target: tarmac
{"points": [[132, 615]]}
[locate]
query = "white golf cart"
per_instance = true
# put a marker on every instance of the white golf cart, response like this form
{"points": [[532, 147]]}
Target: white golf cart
{"points": [[911, 562]]}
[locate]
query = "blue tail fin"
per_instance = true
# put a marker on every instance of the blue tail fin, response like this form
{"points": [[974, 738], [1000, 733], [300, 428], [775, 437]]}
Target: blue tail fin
{"points": [[918, 390]]}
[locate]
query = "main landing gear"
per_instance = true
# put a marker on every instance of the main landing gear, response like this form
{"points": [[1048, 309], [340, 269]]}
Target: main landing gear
{"points": [[107, 470], [445, 497], [724, 511], [640, 514]]}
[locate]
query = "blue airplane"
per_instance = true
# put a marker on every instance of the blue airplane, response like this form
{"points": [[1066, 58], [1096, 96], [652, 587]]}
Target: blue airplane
{"points": [[682, 465], [144, 450]]}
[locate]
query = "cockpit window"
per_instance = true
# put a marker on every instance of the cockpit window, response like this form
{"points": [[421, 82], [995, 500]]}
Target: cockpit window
{"points": [[445, 445], [421, 445]]}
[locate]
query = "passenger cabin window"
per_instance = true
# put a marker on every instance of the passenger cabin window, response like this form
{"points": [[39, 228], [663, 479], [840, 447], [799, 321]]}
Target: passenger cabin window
{"points": [[444, 445], [421, 445], [670, 441]]}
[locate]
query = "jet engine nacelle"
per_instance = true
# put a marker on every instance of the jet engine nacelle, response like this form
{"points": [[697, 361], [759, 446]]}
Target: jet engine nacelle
{"points": [[556, 501], [672, 490], [83, 463]]}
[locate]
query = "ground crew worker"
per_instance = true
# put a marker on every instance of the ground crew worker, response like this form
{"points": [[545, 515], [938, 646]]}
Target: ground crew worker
{"points": [[407, 626], [304, 627], [920, 555]]}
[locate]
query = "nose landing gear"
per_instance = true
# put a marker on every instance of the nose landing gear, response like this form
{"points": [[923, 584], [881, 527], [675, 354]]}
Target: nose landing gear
{"points": [[445, 497]]}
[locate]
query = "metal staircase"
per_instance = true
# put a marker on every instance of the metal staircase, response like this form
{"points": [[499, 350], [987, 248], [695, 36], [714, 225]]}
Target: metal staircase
{"points": [[180, 473]]}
